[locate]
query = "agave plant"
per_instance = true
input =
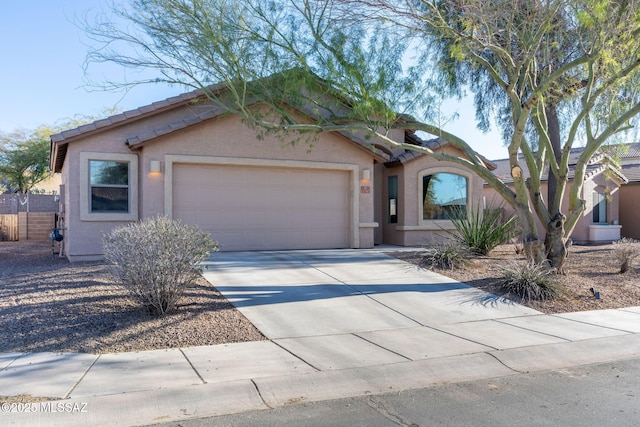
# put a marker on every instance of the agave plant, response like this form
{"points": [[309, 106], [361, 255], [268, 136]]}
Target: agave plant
{"points": [[481, 230]]}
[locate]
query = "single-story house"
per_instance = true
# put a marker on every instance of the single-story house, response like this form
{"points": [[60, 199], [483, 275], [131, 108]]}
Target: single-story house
{"points": [[629, 158], [601, 221], [194, 162]]}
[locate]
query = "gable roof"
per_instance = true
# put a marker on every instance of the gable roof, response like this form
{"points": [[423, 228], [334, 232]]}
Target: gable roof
{"points": [[626, 153], [632, 172], [432, 144], [60, 141], [597, 164]]}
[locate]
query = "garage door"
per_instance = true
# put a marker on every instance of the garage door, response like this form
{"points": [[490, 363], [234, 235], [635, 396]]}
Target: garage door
{"points": [[264, 208]]}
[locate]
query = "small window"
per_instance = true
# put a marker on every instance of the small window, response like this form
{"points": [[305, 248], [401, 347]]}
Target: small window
{"points": [[108, 186], [392, 190], [109, 182], [444, 195], [599, 208]]}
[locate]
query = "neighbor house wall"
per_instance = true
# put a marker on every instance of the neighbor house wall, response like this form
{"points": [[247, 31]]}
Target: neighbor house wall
{"points": [[581, 230], [629, 196]]}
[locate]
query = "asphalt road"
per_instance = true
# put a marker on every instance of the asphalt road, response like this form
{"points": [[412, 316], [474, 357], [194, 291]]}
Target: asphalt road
{"points": [[594, 395]]}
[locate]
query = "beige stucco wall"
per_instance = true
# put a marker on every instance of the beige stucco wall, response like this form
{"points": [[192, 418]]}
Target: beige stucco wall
{"points": [[50, 185], [581, 230], [411, 229], [630, 210], [221, 137]]}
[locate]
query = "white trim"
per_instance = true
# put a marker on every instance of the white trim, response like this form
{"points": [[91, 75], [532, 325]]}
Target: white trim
{"points": [[369, 225], [85, 212], [354, 170], [437, 225]]}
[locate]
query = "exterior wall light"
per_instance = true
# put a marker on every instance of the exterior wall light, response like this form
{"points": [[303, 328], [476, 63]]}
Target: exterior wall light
{"points": [[154, 166], [366, 174]]}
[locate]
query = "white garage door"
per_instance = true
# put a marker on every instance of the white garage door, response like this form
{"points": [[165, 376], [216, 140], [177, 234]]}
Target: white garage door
{"points": [[256, 208]]}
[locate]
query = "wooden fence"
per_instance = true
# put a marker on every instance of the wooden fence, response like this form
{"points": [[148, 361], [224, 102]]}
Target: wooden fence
{"points": [[8, 228], [26, 226]]}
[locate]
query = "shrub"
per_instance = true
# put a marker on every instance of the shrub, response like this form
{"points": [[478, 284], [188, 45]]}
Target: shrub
{"points": [[448, 256], [157, 259], [530, 281], [481, 230], [626, 251]]}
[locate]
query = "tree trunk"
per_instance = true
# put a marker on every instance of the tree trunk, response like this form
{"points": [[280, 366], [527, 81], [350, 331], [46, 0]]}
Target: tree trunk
{"points": [[555, 245], [554, 242], [556, 147], [533, 247]]}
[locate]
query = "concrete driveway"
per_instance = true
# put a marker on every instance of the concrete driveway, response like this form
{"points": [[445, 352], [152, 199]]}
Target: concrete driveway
{"points": [[325, 292], [341, 323]]}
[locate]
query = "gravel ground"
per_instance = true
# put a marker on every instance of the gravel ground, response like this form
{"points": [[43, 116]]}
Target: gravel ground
{"points": [[588, 266], [52, 305]]}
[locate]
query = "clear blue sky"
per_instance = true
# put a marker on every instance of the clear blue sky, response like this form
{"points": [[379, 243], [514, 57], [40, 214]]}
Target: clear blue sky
{"points": [[42, 77]]}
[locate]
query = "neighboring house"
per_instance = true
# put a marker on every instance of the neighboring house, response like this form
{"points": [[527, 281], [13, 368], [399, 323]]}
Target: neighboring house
{"points": [[602, 220], [190, 161], [629, 158], [51, 185]]}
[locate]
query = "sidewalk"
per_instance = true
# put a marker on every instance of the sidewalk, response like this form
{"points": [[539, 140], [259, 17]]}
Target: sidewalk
{"points": [[381, 343]]}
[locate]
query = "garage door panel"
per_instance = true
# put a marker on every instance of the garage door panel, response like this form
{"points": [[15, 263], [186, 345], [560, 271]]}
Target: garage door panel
{"points": [[254, 208]]}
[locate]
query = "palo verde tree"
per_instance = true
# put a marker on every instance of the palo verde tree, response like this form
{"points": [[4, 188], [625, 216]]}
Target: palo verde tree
{"points": [[553, 73]]}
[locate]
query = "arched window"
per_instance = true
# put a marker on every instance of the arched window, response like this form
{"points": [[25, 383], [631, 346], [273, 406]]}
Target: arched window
{"points": [[443, 195]]}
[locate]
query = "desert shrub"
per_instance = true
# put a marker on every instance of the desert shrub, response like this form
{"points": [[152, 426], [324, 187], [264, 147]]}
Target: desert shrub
{"points": [[481, 230], [446, 256], [530, 281], [157, 259], [626, 251]]}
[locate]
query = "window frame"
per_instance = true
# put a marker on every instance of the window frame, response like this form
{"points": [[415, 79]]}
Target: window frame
{"points": [[85, 187], [392, 199], [602, 199], [440, 223]]}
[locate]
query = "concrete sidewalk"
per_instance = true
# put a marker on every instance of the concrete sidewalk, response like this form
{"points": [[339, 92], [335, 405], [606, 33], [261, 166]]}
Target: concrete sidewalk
{"points": [[340, 323]]}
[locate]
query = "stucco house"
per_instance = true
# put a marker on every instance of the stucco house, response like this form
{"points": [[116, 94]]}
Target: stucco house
{"points": [[189, 160], [629, 157], [602, 220]]}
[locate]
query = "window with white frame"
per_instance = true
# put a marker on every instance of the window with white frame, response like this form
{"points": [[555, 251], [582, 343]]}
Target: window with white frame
{"points": [[444, 195], [108, 187]]}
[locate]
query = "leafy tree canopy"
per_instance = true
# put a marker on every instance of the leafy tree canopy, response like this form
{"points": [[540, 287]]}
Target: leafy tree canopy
{"points": [[24, 158], [24, 153], [553, 74]]}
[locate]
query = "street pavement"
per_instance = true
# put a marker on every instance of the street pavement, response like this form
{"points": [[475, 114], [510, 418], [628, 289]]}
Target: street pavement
{"points": [[340, 323], [593, 395]]}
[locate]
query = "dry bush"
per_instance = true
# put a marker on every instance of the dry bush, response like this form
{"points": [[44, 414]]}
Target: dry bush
{"points": [[157, 259], [626, 251]]}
